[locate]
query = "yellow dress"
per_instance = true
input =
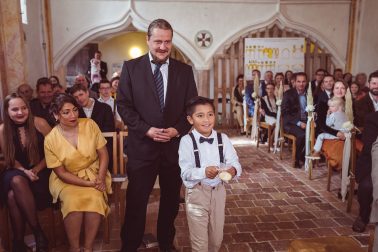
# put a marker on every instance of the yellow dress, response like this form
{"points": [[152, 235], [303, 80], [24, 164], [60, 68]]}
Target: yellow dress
{"points": [[81, 161]]}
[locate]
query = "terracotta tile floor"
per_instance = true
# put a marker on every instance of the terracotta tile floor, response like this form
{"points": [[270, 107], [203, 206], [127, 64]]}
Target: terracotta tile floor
{"points": [[271, 205]]}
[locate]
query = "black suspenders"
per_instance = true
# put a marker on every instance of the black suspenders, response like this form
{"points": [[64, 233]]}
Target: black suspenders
{"points": [[195, 149]]}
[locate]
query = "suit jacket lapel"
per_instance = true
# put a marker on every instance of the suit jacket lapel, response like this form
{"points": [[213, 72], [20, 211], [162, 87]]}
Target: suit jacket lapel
{"points": [[149, 76]]}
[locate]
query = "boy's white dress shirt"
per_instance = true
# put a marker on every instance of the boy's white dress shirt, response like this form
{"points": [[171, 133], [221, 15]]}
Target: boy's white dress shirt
{"points": [[209, 156]]}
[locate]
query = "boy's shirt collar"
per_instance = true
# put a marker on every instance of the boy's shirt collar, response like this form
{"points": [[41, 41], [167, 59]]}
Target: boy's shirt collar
{"points": [[198, 135]]}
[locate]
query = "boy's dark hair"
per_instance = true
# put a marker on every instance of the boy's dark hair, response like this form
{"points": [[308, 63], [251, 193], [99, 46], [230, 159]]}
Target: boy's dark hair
{"points": [[77, 87], [197, 100]]}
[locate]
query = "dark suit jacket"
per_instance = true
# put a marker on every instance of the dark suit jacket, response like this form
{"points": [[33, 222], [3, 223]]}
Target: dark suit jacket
{"points": [[38, 110], [369, 136], [138, 106], [321, 111], [361, 109], [102, 114], [291, 109]]}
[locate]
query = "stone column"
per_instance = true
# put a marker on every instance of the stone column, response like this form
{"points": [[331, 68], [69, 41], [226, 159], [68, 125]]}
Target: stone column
{"points": [[12, 52], [203, 82]]}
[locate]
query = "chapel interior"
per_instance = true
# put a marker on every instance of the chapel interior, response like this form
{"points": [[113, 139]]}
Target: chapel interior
{"points": [[272, 204]]}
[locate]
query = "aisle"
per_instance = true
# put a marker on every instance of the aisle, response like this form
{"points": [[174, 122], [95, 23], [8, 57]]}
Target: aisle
{"points": [[271, 205]]}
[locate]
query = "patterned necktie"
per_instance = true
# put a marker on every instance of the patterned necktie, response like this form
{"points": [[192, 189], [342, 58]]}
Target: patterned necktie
{"points": [[209, 140], [158, 77]]}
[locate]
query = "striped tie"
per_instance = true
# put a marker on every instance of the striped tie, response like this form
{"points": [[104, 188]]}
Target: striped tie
{"points": [[158, 77]]}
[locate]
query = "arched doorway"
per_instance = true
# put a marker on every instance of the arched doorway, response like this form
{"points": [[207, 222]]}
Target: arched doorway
{"points": [[228, 64], [115, 49]]}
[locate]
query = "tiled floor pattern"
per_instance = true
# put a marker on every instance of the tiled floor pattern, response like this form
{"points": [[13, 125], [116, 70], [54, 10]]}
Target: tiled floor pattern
{"points": [[271, 205]]}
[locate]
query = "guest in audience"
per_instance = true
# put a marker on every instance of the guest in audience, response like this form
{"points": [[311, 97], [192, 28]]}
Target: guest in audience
{"points": [[335, 119], [40, 106], [25, 91], [278, 78], [103, 66], [24, 183], [105, 97], [332, 149], [363, 172], [338, 74], [361, 80], [114, 82], [54, 80], [268, 77], [268, 105], [295, 116], [75, 150], [237, 101], [82, 80], [249, 91], [367, 104], [317, 82], [99, 112], [355, 91], [348, 78], [288, 77], [321, 97]]}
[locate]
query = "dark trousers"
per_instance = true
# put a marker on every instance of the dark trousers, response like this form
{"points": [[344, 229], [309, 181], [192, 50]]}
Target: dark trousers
{"points": [[300, 134], [365, 198], [142, 176]]}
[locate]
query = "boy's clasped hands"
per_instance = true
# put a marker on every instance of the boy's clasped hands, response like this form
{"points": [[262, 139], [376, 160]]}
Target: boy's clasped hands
{"points": [[212, 171]]}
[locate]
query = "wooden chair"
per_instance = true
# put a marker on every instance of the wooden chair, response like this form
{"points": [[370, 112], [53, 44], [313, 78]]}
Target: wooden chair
{"points": [[121, 176], [113, 137], [352, 172], [292, 138], [270, 129]]}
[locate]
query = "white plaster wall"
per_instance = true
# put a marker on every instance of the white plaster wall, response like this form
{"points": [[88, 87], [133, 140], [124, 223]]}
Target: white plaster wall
{"points": [[366, 56], [77, 22], [33, 44]]}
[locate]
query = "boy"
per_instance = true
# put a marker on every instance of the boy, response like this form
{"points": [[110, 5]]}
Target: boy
{"points": [[336, 117], [201, 155]]}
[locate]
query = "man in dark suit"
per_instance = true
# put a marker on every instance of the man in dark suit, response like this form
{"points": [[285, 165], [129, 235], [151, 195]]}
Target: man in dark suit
{"points": [[40, 106], [151, 100], [363, 172], [369, 103], [294, 114]]}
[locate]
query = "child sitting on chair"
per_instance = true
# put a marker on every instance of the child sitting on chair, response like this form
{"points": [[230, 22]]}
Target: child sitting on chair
{"points": [[202, 155], [336, 117]]}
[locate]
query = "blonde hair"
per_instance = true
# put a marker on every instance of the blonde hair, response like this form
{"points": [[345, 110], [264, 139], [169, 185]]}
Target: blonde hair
{"points": [[337, 101]]}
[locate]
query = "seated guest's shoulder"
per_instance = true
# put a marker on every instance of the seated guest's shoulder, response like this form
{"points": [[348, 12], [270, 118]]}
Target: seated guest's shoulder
{"points": [[41, 125]]}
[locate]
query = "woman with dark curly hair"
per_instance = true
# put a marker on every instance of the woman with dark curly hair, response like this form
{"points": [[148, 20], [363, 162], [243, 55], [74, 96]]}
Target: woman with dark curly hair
{"points": [[24, 182], [76, 151]]}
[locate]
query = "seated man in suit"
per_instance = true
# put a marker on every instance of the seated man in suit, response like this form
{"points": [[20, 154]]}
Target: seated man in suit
{"points": [[363, 172], [40, 106], [369, 103], [294, 113]]}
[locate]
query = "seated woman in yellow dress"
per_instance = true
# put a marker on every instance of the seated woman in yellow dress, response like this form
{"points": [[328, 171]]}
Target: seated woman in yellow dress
{"points": [[76, 151]]}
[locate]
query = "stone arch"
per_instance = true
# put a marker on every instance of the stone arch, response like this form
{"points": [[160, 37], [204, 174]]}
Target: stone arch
{"points": [[131, 20]]}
